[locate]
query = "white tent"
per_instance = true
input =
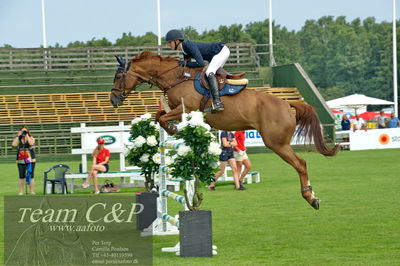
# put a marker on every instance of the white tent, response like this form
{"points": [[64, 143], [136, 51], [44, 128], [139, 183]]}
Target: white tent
{"points": [[356, 101]]}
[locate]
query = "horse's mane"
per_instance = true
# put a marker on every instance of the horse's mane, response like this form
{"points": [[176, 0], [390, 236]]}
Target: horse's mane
{"points": [[149, 54]]}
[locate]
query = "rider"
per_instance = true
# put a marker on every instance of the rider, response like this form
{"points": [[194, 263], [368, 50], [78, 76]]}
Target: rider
{"points": [[215, 53]]}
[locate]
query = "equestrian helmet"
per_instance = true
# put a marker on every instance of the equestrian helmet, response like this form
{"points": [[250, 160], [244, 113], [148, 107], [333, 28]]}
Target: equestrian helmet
{"points": [[173, 35]]}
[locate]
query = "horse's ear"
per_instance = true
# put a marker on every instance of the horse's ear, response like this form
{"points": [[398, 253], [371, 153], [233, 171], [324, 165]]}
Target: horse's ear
{"points": [[120, 60]]}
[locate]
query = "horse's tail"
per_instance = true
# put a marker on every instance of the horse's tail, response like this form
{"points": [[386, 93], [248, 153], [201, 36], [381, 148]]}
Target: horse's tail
{"points": [[309, 126]]}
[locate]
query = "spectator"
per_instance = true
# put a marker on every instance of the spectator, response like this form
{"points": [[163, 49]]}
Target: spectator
{"points": [[101, 157], [228, 142], [358, 123], [26, 159], [394, 122], [241, 156], [381, 120], [345, 123]]}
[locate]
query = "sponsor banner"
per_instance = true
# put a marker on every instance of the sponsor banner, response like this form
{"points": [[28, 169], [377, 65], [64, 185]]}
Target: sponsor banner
{"points": [[375, 139], [74, 230], [253, 139], [112, 139]]}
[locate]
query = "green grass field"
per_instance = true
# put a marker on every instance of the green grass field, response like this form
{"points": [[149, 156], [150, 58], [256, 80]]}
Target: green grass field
{"points": [[270, 224]]}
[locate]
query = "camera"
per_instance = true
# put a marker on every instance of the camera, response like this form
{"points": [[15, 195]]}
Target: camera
{"points": [[24, 133]]}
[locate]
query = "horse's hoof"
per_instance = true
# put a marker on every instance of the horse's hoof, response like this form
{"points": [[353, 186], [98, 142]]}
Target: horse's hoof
{"points": [[315, 203], [171, 129]]}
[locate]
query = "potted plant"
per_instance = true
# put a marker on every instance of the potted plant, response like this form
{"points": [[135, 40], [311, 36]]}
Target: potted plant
{"points": [[196, 158], [145, 141]]}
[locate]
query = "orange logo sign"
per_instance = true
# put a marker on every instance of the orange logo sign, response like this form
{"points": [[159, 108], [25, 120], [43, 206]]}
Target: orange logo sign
{"points": [[384, 139]]}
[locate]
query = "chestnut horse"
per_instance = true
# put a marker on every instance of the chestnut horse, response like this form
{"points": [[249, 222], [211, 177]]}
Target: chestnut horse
{"points": [[249, 109]]}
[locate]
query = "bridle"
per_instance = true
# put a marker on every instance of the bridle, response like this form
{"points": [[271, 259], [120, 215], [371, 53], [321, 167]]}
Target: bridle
{"points": [[124, 71], [151, 80]]}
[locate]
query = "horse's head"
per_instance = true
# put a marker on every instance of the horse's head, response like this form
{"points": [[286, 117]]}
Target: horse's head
{"points": [[146, 67], [124, 82]]}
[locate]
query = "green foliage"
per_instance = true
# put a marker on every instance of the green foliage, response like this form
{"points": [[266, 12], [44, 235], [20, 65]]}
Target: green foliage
{"points": [[197, 161], [196, 156], [143, 131]]}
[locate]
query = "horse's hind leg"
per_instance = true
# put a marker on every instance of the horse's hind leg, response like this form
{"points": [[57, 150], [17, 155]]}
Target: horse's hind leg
{"points": [[286, 153]]}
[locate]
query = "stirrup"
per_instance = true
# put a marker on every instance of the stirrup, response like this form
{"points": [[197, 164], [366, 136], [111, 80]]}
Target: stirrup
{"points": [[214, 108]]}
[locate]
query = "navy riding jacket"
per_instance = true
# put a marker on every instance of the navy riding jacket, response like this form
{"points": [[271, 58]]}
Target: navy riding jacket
{"points": [[200, 52]]}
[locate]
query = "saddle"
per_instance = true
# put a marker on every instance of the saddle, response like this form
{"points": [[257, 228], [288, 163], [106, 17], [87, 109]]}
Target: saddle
{"points": [[223, 77]]}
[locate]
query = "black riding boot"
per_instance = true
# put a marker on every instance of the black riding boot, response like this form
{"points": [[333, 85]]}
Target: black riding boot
{"points": [[216, 105]]}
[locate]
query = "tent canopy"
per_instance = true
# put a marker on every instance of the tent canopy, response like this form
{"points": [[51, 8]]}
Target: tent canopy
{"points": [[356, 101]]}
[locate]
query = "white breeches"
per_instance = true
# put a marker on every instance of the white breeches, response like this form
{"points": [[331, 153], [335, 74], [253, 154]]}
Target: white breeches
{"points": [[218, 60]]}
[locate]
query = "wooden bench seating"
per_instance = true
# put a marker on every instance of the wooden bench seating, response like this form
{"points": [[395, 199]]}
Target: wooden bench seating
{"points": [[87, 107], [134, 175], [252, 176]]}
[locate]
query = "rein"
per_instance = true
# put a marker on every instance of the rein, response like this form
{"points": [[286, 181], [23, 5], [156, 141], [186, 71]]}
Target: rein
{"points": [[165, 89], [151, 81]]}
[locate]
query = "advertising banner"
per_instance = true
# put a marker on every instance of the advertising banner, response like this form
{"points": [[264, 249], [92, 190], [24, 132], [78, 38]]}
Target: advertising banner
{"points": [[253, 139], [386, 138], [112, 139]]}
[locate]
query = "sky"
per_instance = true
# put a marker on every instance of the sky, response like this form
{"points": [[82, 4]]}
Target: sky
{"points": [[81, 20]]}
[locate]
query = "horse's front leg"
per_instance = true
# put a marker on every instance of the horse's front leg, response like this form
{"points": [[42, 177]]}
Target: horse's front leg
{"points": [[164, 119]]}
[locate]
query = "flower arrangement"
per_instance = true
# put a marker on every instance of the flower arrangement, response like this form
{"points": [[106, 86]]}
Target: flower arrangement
{"points": [[197, 156], [145, 137]]}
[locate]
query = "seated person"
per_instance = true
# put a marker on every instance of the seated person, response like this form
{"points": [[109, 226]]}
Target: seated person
{"points": [[358, 123], [101, 157]]}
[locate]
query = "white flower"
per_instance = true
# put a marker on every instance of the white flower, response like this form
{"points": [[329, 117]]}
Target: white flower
{"points": [[179, 141], [153, 124], [144, 158], [206, 126], [127, 149], [145, 117], [168, 160], [196, 115], [183, 150], [182, 125], [196, 119], [214, 148], [135, 121], [156, 158], [152, 141], [139, 141]]}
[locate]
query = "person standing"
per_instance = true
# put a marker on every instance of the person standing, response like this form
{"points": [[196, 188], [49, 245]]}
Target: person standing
{"points": [[241, 156], [381, 120], [101, 158], [228, 142], [394, 122], [358, 123], [26, 159], [345, 123]]}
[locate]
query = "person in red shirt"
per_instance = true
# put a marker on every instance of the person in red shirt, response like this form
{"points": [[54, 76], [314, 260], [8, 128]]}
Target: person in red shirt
{"points": [[101, 157], [241, 156]]}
